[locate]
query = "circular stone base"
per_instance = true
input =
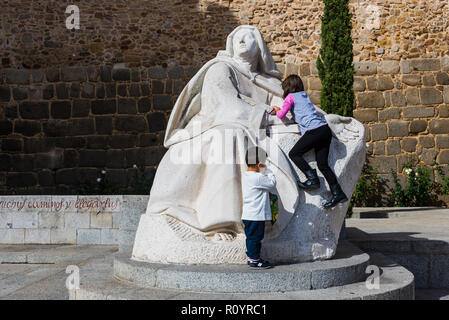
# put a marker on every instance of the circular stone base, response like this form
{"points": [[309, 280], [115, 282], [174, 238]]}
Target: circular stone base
{"points": [[348, 266]]}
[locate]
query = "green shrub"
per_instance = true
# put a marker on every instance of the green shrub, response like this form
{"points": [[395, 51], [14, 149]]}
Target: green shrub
{"points": [[420, 190]]}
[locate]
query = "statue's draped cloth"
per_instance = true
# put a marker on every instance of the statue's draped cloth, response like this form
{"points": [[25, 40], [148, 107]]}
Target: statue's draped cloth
{"points": [[220, 112]]}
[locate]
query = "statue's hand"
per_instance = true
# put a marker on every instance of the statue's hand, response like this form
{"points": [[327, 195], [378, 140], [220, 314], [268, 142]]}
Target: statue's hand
{"points": [[342, 127]]}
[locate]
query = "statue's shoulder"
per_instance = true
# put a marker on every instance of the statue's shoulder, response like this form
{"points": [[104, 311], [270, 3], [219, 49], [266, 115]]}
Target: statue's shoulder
{"points": [[221, 67]]}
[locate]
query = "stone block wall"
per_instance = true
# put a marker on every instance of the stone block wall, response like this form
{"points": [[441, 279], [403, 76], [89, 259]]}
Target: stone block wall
{"points": [[75, 102], [95, 219], [405, 107], [59, 126]]}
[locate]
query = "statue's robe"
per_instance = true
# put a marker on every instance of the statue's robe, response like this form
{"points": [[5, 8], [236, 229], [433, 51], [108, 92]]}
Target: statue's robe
{"points": [[220, 103]]}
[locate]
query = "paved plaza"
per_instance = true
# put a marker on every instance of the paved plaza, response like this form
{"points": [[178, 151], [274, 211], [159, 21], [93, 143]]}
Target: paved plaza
{"points": [[38, 272]]}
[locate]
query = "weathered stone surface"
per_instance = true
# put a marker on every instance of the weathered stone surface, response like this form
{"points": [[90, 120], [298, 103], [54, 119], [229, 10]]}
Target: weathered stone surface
{"points": [[379, 148], [417, 126], [384, 83], [388, 67], [418, 112], [20, 93], [121, 74], [304, 69], [5, 127], [48, 92], [37, 76], [144, 105], [88, 90], [371, 83], [442, 141], [21, 179], [365, 68], [405, 66], [104, 106], [176, 72], [430, 96], [61, 109], [157, 73], [427, 141], [52, 74], [69, 74], [429, 80], [446, 94], [27, 128], [11, 144], [437, 126], [134, 90], [428, 156], [425, 64], [398, 128], [5, 93], [442, 78], [412, 95], [156, 121], [393, 147], [17, 76], [398, 99], [80, 108], [34, 110], [445, 63], [127, 106], [103, 125], [106, 73], [122, 141], [383, 164], [359, 84], [62, 91], [443, 157], [315, 83], [443, 111], [130, 123], [409, 144], [371, 100], [412, 79], [379, 132], [92, 158], [162, 102]]}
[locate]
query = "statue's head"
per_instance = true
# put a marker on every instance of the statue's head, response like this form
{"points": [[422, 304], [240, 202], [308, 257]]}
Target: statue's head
{"points": [[245, 45], [247, 42]]}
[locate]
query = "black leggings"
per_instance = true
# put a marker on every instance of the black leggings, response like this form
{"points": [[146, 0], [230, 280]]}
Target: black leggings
{"points": [[320, 140]]}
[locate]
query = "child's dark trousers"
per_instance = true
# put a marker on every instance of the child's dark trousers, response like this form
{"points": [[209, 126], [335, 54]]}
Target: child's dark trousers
{"points": [[320, 140], [254, 231]]}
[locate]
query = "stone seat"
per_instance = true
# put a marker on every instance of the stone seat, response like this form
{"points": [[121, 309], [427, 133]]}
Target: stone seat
{"points": [[395, 283], [348, 266]]}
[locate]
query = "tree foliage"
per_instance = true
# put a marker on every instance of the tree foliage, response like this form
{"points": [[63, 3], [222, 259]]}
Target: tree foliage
{"points": [[335, 64]]}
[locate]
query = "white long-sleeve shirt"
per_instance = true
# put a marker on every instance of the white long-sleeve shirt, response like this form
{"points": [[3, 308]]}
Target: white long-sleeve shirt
{"points": [[255, 190]]}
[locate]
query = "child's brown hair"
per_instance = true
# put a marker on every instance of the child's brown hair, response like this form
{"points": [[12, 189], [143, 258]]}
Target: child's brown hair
{"points": [[291, 84], [254, 156]]}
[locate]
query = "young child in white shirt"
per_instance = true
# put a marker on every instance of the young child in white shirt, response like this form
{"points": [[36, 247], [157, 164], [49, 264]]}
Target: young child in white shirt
{"points": [[256, 183]]}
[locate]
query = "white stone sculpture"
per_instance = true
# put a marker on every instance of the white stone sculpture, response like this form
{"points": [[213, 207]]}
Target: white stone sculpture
{"points": [[194, 210]]}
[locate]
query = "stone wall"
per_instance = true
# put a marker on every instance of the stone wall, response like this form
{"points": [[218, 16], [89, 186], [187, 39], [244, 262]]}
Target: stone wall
{"points": [[73, 102], [50, 219], [61, 125]]}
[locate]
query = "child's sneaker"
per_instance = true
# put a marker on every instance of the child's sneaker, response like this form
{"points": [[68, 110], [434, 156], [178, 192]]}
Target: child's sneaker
{"points": [[259, 264]]}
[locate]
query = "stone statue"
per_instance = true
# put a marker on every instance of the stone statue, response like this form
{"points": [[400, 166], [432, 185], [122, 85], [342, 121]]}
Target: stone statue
{"points": [[194, 211]]}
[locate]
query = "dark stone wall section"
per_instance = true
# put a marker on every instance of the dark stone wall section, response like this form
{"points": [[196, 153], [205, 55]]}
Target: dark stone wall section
{"points": [[60, 127]]}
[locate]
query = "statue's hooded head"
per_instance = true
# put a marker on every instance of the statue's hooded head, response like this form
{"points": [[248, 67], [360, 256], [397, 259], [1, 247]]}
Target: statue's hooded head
{"points": [[247, 40]]}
